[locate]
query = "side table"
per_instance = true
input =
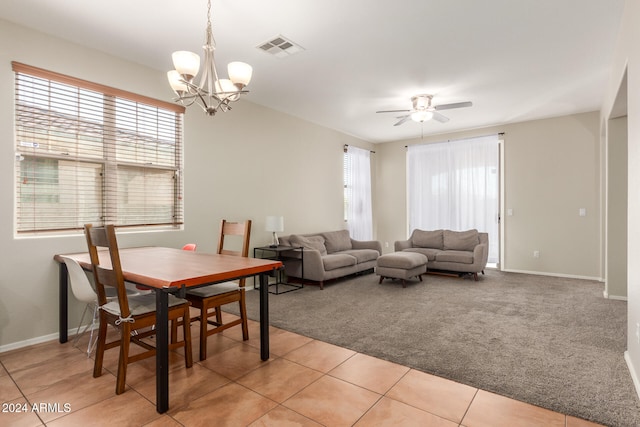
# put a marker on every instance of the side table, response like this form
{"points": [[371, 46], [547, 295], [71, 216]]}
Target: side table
{"points": [[276, 253]]}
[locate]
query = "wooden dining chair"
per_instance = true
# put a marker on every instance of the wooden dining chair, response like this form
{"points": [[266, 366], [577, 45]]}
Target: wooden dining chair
{"points": [[128, 314], [210, 298]]}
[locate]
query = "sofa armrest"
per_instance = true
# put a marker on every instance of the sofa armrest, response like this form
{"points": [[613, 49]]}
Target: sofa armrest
{"points": [[481, 255], [367, 244], [401, 245], [313, 265]]}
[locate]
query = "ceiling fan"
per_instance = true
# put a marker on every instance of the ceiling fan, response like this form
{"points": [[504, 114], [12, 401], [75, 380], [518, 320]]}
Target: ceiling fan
{"points": [[423, 110]]}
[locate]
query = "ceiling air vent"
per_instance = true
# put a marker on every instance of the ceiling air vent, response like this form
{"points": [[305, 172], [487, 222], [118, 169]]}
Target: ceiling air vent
{"points": [[280, 47]]}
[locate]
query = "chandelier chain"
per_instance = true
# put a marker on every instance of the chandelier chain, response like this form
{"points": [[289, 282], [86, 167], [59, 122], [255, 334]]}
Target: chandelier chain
{"points": [[209, 40]]}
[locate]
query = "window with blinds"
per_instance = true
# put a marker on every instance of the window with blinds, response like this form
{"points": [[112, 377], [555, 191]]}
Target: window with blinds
{"points": [[87, 153]]}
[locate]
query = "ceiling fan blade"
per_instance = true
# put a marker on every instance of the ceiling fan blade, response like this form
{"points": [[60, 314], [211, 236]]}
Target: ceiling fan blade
{"points": [[393, 111], [454, 105], [402, 120], [439, 117]]}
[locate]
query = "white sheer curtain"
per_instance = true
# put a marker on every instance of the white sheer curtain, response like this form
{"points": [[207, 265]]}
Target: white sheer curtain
{"points": [[358, 193], [455, 185]]}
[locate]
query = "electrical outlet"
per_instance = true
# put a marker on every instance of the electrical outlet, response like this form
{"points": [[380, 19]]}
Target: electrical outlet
{"points": [[638, 332], [386, 244], [536, 254]]}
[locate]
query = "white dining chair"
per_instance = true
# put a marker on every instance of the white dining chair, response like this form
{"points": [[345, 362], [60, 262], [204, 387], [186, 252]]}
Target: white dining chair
{"points": [[83, 291]]}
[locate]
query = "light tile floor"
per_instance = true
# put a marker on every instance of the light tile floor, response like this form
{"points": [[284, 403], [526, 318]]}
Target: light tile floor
{"points": [[304, 383]]}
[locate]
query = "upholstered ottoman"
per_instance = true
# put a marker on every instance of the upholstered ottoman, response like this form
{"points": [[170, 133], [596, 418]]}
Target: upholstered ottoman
{"points": [[401, 265]]}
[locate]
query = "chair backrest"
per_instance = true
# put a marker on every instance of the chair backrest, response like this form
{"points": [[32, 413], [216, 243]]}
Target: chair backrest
{"points": [[189, 247], [80, 284], [105, 237], [238, 229], [241, 229]]}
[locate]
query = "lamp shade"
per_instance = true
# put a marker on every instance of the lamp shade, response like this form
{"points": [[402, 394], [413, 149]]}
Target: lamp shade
{"points": [[226, 89], [186, 63], [176, 82], [239, 73], [274, 224]]}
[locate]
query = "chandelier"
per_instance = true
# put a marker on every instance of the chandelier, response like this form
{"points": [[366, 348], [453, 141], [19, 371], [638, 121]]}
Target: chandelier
{"points": [[212, 93]]}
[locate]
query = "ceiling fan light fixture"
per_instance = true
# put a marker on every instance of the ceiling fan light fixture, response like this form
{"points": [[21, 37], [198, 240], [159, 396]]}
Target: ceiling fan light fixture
{"points": [[423, 110], [421, 102], [421, 116]]}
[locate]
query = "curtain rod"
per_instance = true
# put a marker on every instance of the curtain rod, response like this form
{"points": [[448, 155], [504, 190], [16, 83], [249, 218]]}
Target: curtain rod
{"points": [[460, 139], [346, 146]]}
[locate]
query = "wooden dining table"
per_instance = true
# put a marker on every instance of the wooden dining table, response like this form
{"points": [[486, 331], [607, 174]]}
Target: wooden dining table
{"points": [[172, 271]]}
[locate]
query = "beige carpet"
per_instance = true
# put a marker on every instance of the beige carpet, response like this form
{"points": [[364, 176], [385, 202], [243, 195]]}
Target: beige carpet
{"points": [[552, 342]]}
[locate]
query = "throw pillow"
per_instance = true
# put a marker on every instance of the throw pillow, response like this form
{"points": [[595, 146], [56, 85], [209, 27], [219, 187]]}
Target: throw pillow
{"points": [[460, 240], [315, 243], [337, 241], [427, 239]]}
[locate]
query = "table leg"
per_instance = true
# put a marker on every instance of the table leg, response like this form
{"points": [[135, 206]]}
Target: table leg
{"points": [[264, 316], [162, 350], [63, 307]]}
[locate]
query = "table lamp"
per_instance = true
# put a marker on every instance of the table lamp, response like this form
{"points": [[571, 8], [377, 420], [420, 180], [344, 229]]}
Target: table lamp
{"points": [[275, 224]]}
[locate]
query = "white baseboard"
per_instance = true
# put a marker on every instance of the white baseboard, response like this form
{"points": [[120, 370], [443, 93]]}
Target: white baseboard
{"points": [[614, 297], [36, 340], [632, 371], [567, 276]]}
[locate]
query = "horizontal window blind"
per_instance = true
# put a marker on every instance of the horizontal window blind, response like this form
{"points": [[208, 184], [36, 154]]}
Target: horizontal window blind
{"points": [[86, 153]]}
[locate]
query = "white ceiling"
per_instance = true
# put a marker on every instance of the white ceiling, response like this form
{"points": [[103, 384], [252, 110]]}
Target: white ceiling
{"points": [[516, 60]]}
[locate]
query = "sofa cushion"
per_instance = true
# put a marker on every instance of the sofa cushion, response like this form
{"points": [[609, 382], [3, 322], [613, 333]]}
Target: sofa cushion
{"points": [[337, 241], [309, 242], [333, 261], [427, 239], [460, 240], [430, 253], [363, 255], [460, 257]]}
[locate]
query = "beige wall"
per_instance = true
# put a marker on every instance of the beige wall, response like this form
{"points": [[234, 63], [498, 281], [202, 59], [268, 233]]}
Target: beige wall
{"points": [[248, 163], [616, 209], [551, 171], [627, 59]]}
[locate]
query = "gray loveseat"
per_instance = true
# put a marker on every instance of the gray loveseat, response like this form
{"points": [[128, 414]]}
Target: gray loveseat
{"points": [[446, 250], [328, 255]]}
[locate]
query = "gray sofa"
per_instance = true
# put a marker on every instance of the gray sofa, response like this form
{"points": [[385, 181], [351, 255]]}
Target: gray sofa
{"points": [[446, 250], [328, 255]]}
